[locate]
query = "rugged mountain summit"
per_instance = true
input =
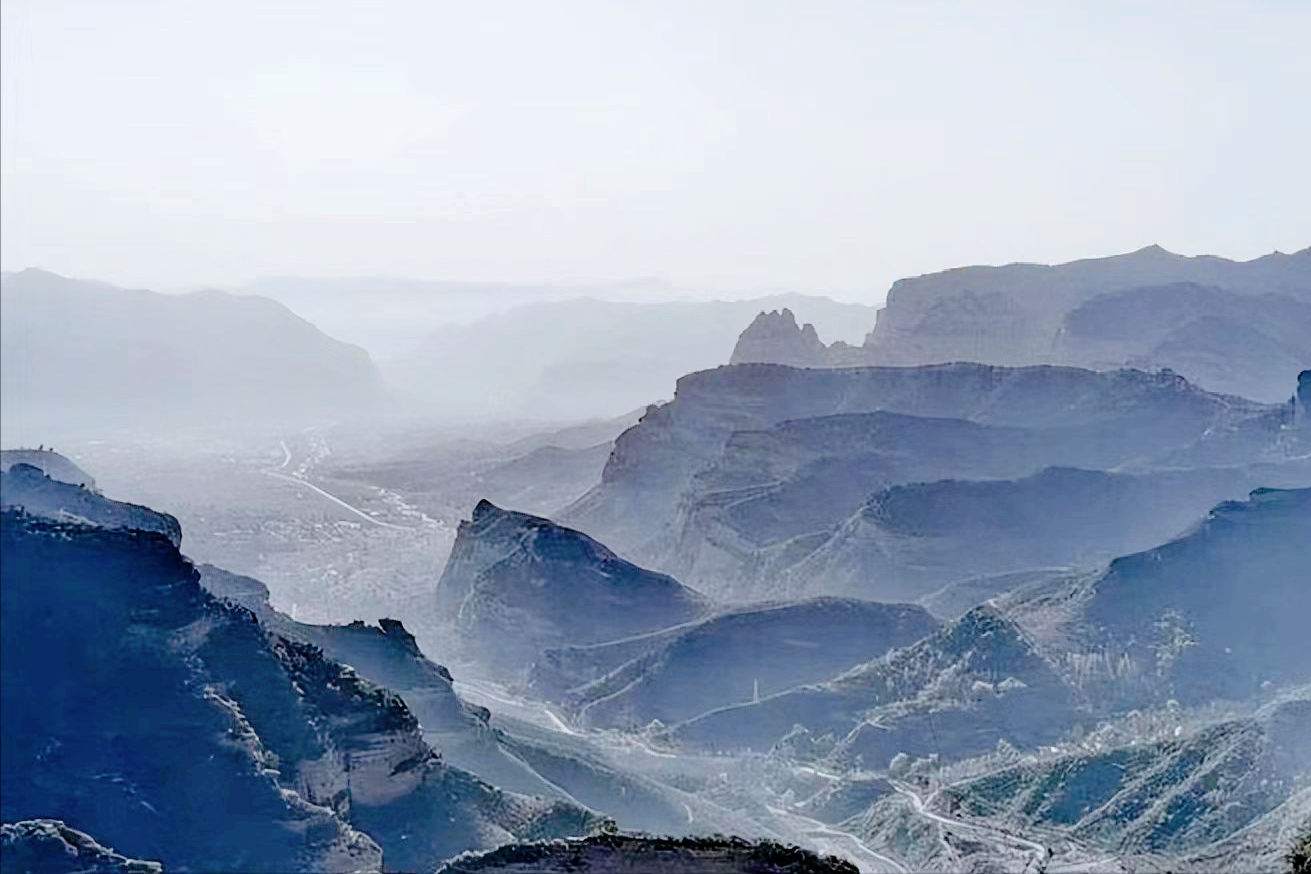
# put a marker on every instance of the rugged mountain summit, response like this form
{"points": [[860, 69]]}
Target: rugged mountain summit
{"points": [[89, 354], [1235, 327], [516, 584], [232, 748], [775, 338], [753, 467], [676, 675]]}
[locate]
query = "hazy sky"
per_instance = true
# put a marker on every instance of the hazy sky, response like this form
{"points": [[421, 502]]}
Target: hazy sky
{"points": [[724, 145]]}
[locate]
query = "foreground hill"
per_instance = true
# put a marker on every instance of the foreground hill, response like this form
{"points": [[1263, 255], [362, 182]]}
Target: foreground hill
{"points": [[1231, 326], [516, 584], [233, 748], [83, 353]]}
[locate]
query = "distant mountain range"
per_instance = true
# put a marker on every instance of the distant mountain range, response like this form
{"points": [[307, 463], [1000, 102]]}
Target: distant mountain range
{"points": [[1230, 326], [582, 358], [86, 354]]}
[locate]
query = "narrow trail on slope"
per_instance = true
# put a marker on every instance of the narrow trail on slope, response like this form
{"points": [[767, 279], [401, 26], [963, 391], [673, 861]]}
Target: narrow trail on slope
{"points": [[815, 827], [1041, 852]]}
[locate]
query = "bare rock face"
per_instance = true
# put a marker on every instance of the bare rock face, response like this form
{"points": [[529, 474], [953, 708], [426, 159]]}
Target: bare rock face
{"points": [[49, 846], [775, 338], [633, 854]]}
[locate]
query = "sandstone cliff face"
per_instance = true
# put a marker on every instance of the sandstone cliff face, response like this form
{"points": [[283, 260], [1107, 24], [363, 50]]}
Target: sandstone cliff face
{"points": [[176, 727]]}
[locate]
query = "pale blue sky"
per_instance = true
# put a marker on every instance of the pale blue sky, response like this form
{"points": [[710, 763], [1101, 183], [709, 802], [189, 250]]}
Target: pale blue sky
{"points": [[722, 145]]}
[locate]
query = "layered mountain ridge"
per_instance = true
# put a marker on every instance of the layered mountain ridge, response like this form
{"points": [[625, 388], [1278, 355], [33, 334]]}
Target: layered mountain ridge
{"points": [[1231, 326], [753, 470]]}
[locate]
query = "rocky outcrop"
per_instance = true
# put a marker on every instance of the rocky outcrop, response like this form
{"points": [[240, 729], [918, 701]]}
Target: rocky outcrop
{"points": [[775, 338], [636, 853], [517, 584], [177, 727], [48, 846], [37, 494]]}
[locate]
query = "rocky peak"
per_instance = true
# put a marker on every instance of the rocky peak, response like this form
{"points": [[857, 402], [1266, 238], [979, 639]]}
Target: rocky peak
{"points": [[775, 338], [516, 583]]}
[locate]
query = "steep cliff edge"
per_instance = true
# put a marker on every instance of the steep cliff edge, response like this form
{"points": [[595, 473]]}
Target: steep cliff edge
{"points": [[516, 584], [175, 727]]}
